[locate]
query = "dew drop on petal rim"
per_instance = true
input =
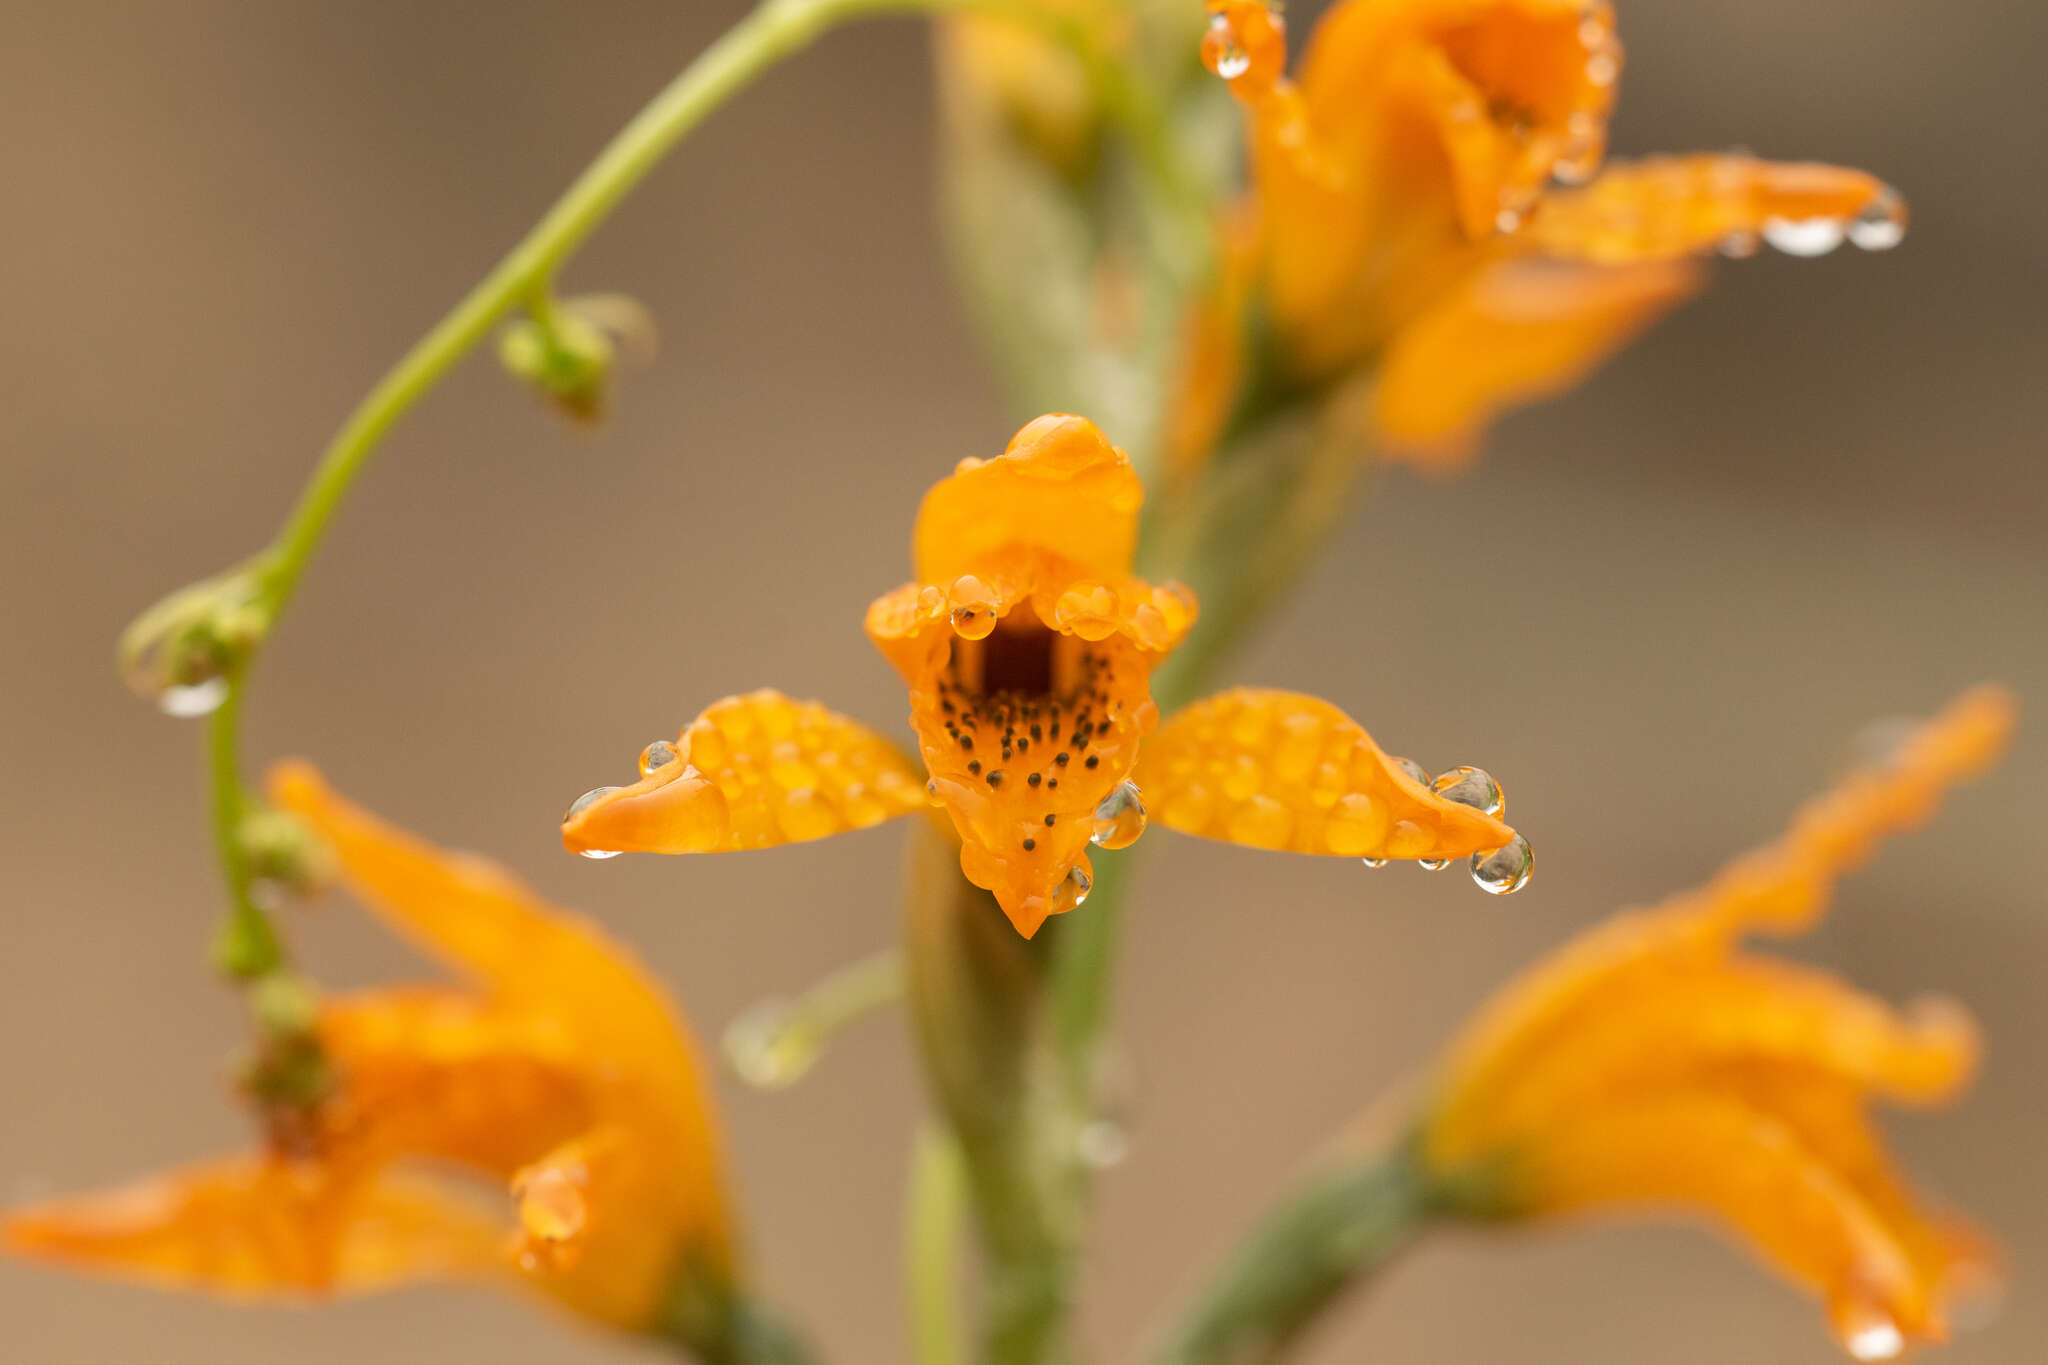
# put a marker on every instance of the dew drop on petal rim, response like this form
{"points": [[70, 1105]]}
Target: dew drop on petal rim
{"points": [[1073, 890], [1432, 864], [1374, 862], [1120, 819], [1881, 225], [584, 802], [659, 754], [193, 699], [1469, 786], [1505, 870], [1804, 236], [1416, 772], [1868, 1332], [1739, 246], [1223, 51]]}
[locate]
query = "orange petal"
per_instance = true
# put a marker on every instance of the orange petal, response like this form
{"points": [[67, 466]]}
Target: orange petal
{"points": [[1286, 771], [752, 771], [442, 1074], [1517, 332], [1420, 129], [1060, 489], [253, 1226], [1686, 1022], [1782, 886], [1668, 207], [1708, 1155]]}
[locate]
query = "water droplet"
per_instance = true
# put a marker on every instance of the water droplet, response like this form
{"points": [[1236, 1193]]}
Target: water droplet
{"points": [[1804, 236], [1976, 1294], [659, 754], [1507, 222], [1881, 743], [1374, 862], [1120, 819], [1102, 1144], [1073, 890], [1882, 223], [597, 855], [585, 802], [1416, 772], [1472, 787], [1603, 68], [1868, 1332], [1432, 864], [1592, 33], [1739, 246], [768, 1047], [1223, 51], [193, 699], [974, 622], [1504, 870]]}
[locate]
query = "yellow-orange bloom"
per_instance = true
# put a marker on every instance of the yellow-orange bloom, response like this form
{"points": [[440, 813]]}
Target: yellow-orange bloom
{"points": [[558, 1067], [1028, 645], [1651, 1064], [1403, 213]]}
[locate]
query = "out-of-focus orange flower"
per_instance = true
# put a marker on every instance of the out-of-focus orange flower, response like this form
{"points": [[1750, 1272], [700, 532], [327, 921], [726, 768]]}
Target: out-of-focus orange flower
{"points": [[559, 1067], [1651, 1064], [1403, 213], [1028, 648]]}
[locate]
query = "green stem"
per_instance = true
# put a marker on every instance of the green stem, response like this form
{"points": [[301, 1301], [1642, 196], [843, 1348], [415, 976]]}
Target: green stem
{"points": [[247, 947], [773, 31], [1337, 1227], [934, 1217]]}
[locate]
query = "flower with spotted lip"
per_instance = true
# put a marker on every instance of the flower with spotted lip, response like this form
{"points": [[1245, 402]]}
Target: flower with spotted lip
{"points": [[1028, 645], [1650, 1064], [1403, 218], [560, 1068]]}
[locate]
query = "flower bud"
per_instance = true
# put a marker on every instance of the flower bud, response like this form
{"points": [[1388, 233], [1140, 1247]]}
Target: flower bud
{"points": [[283, 853], [569, 352]]}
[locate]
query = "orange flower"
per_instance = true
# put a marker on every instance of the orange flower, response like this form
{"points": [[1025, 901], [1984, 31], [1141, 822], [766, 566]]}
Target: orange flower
{"points": [[1028, 647], [1403, 215], [1652, 1064], [559, 1067]]}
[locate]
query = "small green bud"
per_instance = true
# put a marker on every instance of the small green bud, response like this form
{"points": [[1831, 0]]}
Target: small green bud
{"points": [[284, 1005], [570, 352], [182, 652], [282, 852]]}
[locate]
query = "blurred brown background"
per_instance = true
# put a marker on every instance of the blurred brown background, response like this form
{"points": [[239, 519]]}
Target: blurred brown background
{"points": [[1657, 610]]}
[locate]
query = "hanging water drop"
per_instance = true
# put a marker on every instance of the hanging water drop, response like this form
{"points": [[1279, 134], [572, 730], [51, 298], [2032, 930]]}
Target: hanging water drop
{"points": [[1881, 225], [1101, 1144], [1432, 864], [1072, 891], [659, 754], [1417, 774], [1505, 870], [1120, 819], [193, 699], [1374, 862], [1804, 236], [1469, 786], [1868, 1332], [1223, 51]]}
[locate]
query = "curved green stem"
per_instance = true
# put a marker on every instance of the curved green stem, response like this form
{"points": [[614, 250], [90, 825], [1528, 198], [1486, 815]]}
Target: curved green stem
{"points": [[773, 31], [1332, 1231]]}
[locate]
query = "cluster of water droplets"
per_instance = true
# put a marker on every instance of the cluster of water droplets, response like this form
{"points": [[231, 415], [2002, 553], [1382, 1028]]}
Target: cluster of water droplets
{"points": [[1500, 871], [1879, 225], [659, 754]]}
